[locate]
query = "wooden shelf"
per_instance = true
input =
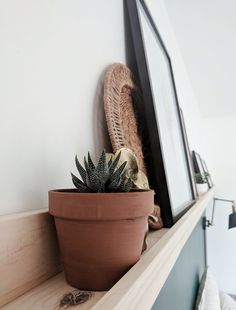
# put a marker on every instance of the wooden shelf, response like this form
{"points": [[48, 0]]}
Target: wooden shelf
{"points": [[140, 286], [48, 294]]}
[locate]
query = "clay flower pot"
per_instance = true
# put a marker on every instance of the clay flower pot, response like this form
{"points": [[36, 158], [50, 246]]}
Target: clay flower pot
{"points": [[100, 234], [202, 188]]}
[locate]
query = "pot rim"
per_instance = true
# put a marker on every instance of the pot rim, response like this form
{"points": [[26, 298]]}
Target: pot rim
{"points": [[73, 191], [100, 206]]}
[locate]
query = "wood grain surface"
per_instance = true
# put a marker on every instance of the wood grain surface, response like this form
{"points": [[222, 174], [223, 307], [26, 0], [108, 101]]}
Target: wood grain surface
{"points": [[28, 252]]}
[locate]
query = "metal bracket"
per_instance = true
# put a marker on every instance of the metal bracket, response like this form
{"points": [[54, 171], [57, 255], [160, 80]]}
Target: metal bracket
{"points": [[207, 223]]}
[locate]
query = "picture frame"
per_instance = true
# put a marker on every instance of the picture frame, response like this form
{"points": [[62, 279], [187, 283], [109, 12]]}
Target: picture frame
{"points": [[165, 149], [198, 165], [209, 179], [189, 155]]}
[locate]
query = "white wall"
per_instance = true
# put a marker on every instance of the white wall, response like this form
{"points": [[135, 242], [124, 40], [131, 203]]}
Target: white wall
{"points": [[205, 31], [220, 148], [221, 151], [52, 58]]}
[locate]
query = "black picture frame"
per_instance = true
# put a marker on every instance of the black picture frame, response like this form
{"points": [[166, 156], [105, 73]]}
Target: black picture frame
{"points": [[189, 155], [209, 179], [153, 151], [198, 165]]}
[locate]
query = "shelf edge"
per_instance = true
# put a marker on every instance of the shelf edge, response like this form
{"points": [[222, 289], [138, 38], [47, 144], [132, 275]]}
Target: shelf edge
{"points": [[139, 288]]}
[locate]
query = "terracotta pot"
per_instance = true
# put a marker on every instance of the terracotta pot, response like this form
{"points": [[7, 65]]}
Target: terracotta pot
{"points": [[202, 188], [100, 234]]}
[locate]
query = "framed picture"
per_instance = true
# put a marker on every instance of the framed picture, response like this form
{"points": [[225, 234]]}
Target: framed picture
{"points": [[209, 180], [189, 155], [198, 166], [165, 148]]}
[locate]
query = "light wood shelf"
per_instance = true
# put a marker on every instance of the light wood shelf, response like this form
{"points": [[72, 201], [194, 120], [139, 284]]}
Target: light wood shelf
{"points": [[48, 294], [29, 254], [140, 286]]}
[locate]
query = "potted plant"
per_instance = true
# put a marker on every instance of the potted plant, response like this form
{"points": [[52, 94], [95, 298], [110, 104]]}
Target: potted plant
{"points": [[201, 182], [101, 223]]}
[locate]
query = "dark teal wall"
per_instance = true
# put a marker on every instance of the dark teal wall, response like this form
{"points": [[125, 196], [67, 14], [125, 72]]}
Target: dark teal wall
{"points": [[180, 289]]}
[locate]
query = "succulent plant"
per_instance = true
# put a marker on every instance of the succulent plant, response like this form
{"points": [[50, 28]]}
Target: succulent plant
{"points": [[107, 176], [201, 179]]}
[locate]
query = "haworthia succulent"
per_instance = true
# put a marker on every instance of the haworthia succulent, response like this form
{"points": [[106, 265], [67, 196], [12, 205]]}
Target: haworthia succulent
{"points": [[90, 162], [107, 176], [125, 185], [79, 184], [80, 168], [110, 161], [118, 172], [114, 164]]}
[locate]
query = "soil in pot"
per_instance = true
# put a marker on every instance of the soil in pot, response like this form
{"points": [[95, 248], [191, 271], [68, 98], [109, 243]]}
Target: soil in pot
{"points": [[100, 234]]}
